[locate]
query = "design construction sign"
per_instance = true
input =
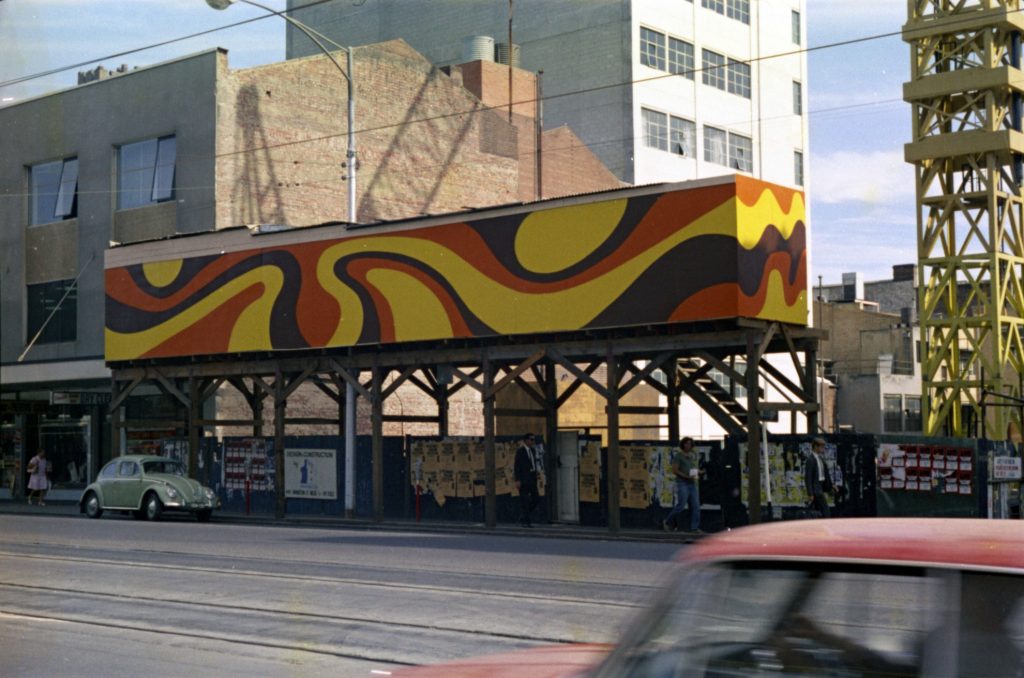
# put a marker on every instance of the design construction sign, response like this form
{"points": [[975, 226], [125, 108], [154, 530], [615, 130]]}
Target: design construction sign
{"points": [[311, 474]]}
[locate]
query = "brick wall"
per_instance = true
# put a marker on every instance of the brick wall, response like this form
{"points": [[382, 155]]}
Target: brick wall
{"points": [[423, 143], [568, 167]]}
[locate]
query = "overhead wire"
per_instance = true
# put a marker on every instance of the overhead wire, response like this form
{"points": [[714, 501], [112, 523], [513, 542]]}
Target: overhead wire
{"points": [[689, 74]]}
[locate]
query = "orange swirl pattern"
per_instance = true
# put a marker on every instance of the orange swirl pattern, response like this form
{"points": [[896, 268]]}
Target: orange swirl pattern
{"points": [[735, 249]]}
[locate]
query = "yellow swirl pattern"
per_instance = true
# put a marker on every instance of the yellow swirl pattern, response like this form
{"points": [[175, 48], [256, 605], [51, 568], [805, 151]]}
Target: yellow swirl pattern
{"points": [[753, 219], [553, 240], [162, 273], [506, 310], [417, 312], [251, 334]]}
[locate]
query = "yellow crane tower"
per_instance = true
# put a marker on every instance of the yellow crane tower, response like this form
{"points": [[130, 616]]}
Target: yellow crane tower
{"points": [[966, 90]]}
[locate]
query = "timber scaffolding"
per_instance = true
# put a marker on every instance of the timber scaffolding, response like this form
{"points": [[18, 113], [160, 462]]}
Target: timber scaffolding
{"points": [[684, 354], [702, 275]]}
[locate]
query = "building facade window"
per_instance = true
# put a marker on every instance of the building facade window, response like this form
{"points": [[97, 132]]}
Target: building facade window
{"points": [[145, 172], [796, 27], [798, 98], [652, 48], [655, 129], [715, 145], [683, 137], [739, 10], [713, 69], [680, 57], [741, 153], [53, 188], [45, 299], [798, 168], [734, 9], [912, 420], [739, 78], [892, 413]]}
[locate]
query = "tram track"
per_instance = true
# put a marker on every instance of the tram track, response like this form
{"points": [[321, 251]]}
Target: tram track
{"points": [[542, 590]]}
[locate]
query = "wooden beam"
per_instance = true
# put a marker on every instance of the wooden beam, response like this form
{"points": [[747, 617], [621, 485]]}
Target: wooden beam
{"points": [[575, 385], [519, 369], [579, 374]]}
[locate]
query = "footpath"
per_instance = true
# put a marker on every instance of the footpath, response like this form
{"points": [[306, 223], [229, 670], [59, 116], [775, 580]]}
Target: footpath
{"points": [[67, 509]]}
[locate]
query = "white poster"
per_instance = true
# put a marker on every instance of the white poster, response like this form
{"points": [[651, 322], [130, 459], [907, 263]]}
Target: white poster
{"points": [[311, 474]]}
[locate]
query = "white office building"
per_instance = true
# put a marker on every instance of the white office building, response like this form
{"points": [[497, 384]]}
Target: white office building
{"points": [[660, 90]]}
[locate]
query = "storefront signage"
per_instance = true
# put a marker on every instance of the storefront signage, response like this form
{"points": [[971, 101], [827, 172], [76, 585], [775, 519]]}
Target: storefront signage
{"points": [[79, 398], [311, 474], [1006, 468]]}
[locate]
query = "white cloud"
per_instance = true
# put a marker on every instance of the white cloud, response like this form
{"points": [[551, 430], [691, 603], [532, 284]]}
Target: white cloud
{"points": [[874, 178]]}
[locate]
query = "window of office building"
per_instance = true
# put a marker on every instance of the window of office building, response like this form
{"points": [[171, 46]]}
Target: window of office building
{"points": [[734, 9], [684, 137], [798, 168], [715, 145], [145, 172], [655, 129], [739, 78], [680, 57], [798, 98], [738, 9], [652, 48], [713, 69], [48, 299], [741, 153], [912, 420], [892, 413], [796, 27], [54, 191]]}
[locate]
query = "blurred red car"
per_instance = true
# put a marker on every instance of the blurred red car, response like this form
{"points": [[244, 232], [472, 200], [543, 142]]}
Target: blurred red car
{"points": [[857, 597]]}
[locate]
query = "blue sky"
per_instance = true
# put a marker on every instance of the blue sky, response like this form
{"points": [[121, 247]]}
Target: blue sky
{"points": [[862, 193]]}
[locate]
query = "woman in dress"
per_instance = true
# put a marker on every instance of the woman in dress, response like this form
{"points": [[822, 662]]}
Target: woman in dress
{"points": [[37, 481]]}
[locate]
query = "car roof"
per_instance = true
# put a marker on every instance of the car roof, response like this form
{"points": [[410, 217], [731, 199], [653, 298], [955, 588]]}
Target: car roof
{"points": [[141, 458], [942, 542]]}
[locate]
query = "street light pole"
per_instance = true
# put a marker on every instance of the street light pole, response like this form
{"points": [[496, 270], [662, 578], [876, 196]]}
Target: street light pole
{"points": [[353, 218], [317, 37]]}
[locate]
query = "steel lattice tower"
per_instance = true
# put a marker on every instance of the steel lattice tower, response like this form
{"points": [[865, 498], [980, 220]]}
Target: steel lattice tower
{"points": [[968, 150]]}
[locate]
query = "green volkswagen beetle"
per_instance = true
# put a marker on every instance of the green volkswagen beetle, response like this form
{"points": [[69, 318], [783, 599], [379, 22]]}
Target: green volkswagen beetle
{"points": [[146, 487]]}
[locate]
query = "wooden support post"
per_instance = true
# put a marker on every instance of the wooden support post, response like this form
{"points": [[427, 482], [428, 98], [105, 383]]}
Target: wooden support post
{"points": [[280, 408], [195, 431], [674, 392], [613, 441], [377, 423], [753, 429], [815, 420], [490, 496], [551, 438], [115, 423]]}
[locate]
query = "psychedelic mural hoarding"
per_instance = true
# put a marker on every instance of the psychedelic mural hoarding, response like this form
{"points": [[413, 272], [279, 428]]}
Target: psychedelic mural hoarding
{"points": [[735, 248]]}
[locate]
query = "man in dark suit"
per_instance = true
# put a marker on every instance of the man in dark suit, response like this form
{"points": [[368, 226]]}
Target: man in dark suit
{"points": [[817, 478], [526, 470]]}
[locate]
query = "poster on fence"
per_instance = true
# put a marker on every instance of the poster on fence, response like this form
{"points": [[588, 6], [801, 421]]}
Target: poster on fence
{"points": [[311, 474]]}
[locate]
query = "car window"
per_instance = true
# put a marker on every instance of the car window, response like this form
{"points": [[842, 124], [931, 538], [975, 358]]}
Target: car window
{"points": [[991, 638], [127, 469], [109, 471], [168, 467], [762, 619]]}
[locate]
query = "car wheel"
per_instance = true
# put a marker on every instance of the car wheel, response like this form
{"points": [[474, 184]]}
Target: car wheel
{"points": [[153, 507], [139, 515], [92, 506], [204, 516]]}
